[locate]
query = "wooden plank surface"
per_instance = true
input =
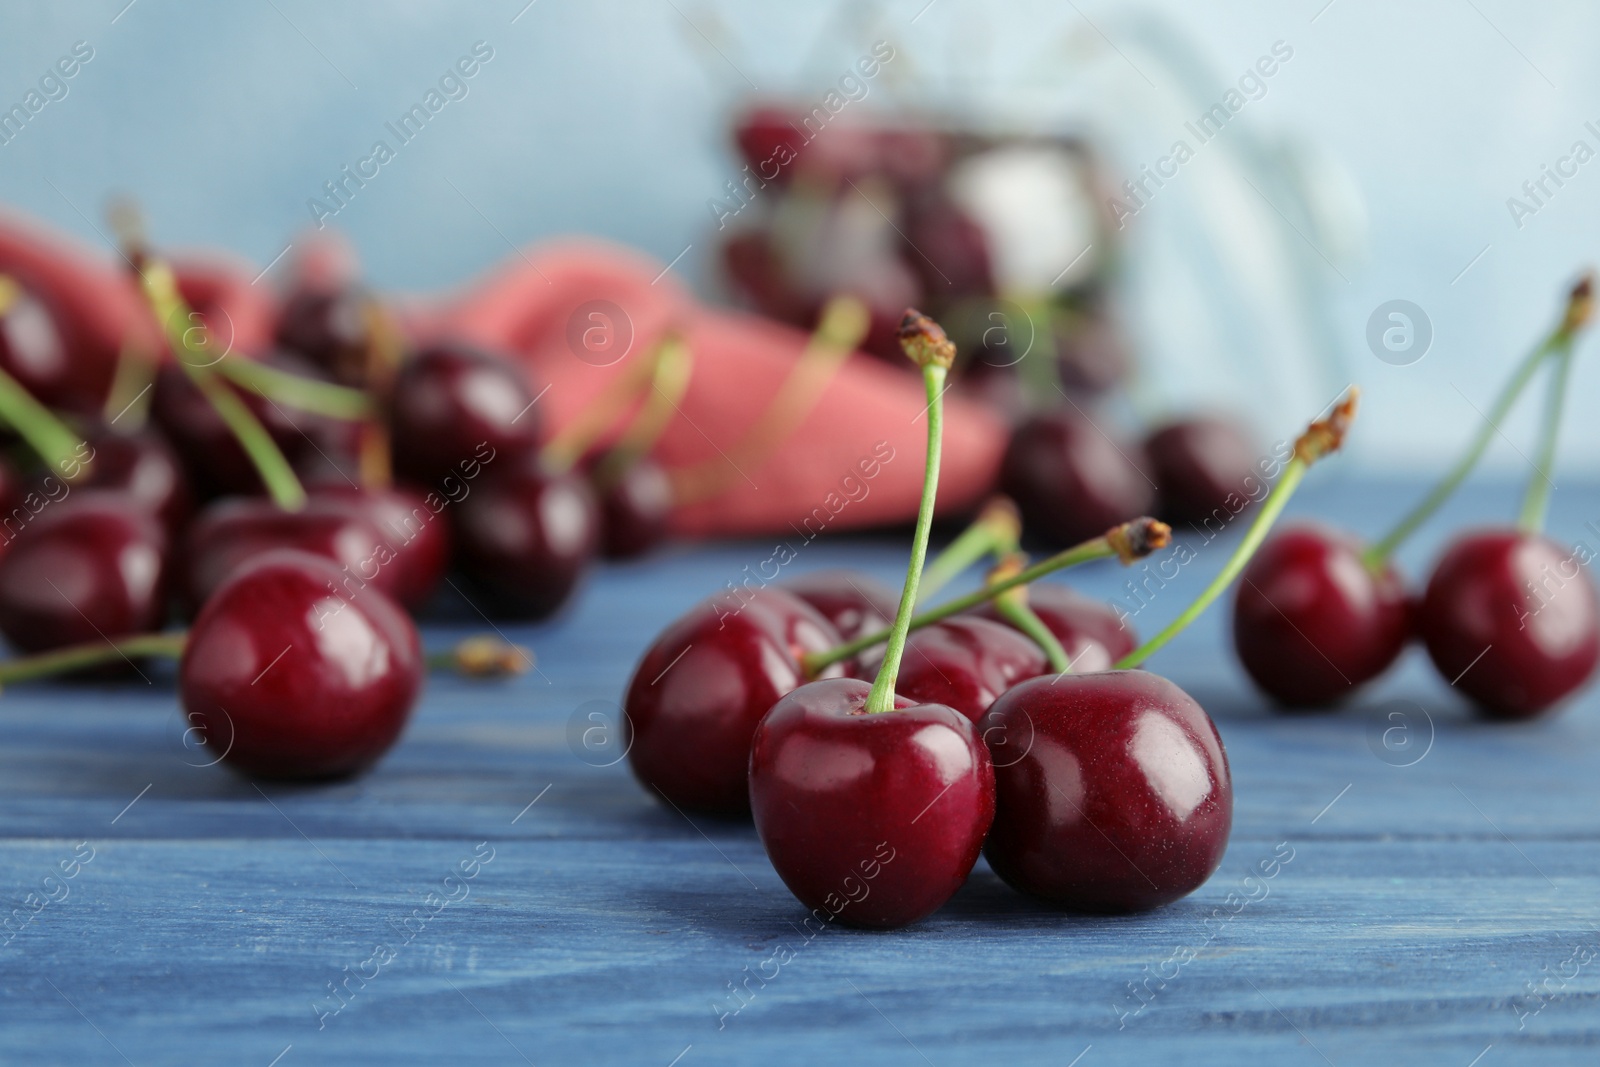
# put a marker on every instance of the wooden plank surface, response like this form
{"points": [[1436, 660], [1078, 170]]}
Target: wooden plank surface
{"points": [[1422, 902]]}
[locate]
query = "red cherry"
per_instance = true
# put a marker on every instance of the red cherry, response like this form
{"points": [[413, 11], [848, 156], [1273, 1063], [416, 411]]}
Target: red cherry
{"points": [[86, 568], [145, 467], [705, 683], [876, 818], [217, 464], [526, 537], [1204, 468], [454, 403], [34, 351], [1093, 356], [1091, 632], [1112, 791], [332, 328], [1511, 619], [856, 604], [635, 509], [1070, 480], [770, 139], [965, 662], [232, 531], [291, 677], [1312, 623], [412, 525]]}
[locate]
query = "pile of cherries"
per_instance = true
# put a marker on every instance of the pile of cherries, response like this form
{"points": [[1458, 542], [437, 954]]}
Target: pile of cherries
{"points": [[880, 750], [1508, 616], [918, 213], [294, 479]]}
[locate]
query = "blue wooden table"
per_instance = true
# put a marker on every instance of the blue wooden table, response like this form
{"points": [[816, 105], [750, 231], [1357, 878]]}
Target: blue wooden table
{"points": [[499, 890]]}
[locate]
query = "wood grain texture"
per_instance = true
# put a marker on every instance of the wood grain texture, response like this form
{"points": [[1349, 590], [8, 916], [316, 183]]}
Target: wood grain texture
{"points": [[1420, 903]]}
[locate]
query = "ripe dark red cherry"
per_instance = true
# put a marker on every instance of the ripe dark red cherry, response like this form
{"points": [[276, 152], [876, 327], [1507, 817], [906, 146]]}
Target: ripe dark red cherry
{"points": [[635, 507], [526, 537], [876, 818], [1070, 480], [965, 662], [35, 353], [1511, 619], [412, 525], [233, 531], [1203, 467], [145, 467], [87, 567], [705, 683], [450, 403], [332, 328], [1112, 791], [1091, 632], [289, 676], [857, 604], [1312, 622], [217, 464]]}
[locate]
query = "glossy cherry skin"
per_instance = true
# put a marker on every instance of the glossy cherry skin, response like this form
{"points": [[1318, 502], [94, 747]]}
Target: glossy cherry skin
{"points": [[1204, 468], [1091, 632], [1312, 623], [1112, 791], [217, 464], [449, 403], [232, 531], [635, 508], [525, 537], [288, 675], [964, 662], [874, 819], [705, 683], [857, 604], [1526, 606], [1071, 482], [145, 467], [413, 525], [34, 351], [330, 327], [90, 566]]}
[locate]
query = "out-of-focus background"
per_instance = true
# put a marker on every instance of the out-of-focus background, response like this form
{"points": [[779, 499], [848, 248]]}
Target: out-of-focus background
{"points": [[1376, 163]]}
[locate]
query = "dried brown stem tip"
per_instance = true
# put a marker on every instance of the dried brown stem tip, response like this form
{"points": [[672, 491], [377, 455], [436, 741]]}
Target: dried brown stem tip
{"points": [[1009, 566], [924, 341], [1137, 538], [487, 656], [1580, 304], [1327, 435]]}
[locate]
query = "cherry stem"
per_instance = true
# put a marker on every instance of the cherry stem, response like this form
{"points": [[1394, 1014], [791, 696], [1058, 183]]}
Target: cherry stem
{"points": [[38, 425], [1322, 437], [1131, 541], [479, 656], [95, 654], [995, 531], [129, 395], [563, 451], [841, 327], [881, 698], [1577, 313], [194, 351], [668, 384], [304, 394], [1536, 502], [1015, 609]]}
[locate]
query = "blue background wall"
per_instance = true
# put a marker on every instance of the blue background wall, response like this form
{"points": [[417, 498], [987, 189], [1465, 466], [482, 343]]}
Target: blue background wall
{"points": [[609, 118]]}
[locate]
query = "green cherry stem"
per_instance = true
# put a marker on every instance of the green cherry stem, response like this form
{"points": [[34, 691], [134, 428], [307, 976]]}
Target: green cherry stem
{"points": [[668, 383], [95, 654], [1536, 502], [995, 531], [1014, 608], [1580, 306], [927, 346], [303, 394], [1321, 437], [1131, 541]]}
